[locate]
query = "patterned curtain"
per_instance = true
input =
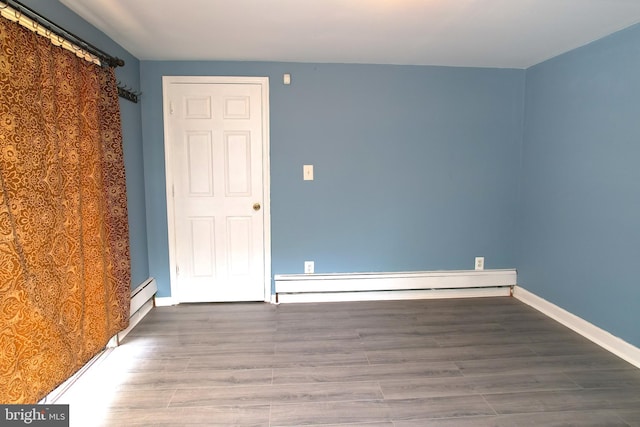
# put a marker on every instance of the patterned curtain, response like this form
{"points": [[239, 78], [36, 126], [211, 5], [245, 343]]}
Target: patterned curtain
{"points": [[64, 244]]}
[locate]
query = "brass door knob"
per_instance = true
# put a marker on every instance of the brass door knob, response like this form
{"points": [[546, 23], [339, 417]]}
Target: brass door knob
{"points": [[256, 206]]}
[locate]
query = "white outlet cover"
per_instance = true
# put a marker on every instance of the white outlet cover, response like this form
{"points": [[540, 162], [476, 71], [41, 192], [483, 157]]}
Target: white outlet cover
{"points": [[479, 263], [308, 267]]}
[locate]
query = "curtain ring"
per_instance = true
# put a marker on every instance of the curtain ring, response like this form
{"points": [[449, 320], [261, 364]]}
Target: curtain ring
{"points": [[18, 13], [6, 5]]}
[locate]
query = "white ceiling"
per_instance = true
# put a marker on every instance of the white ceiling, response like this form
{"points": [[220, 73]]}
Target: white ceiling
{"points": [[477, 33]]}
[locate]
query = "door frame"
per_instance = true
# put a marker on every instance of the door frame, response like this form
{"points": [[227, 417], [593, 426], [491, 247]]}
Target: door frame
{"points": [[266, 183]]}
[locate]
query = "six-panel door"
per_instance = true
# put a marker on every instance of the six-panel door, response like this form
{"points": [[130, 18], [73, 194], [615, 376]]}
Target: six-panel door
{"points": [[215, 133]]}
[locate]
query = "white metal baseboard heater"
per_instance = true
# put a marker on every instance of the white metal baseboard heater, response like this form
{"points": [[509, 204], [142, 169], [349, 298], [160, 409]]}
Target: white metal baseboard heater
{"points": [[141, 305], [396, 285]]}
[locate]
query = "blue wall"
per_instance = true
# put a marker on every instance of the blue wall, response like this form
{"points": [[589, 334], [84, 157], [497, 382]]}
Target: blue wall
{"points": [[415, 167], [580, 210], [131, 129]]}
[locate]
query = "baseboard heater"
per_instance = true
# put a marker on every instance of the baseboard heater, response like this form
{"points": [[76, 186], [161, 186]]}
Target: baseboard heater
{"points": [[396, 285], [141, 305]]}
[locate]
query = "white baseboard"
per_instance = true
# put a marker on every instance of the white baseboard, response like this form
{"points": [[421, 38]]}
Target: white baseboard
{"points": [[394, 285], [393, 295], [604, 339], [169, 301], [59, 391], [165, 301]]}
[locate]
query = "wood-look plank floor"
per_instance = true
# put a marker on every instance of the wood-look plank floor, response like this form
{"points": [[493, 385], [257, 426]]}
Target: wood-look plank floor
{"points": [[458, 362]]}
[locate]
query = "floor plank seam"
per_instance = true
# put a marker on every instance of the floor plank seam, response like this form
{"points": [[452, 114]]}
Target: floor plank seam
{"points": [[489, 404]]}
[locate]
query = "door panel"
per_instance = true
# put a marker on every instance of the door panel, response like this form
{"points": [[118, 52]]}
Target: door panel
{"points": [[200, 163], [238, 163]]}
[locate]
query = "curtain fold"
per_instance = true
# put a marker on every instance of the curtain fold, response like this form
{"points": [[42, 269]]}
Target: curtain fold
{"points": [[64, 244]]}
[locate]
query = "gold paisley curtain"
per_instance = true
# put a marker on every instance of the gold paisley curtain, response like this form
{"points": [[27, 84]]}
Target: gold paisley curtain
{"points": [[64, 244]]}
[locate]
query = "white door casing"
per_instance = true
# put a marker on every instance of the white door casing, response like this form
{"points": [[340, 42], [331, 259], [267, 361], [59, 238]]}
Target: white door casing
{"points": [[217, 172]]}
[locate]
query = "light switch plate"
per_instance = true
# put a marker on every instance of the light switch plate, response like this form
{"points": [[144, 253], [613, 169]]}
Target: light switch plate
{"points": [[307, 172]]}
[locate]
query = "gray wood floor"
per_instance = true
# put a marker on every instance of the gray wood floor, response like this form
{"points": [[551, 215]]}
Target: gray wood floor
{"points": [[466, 362]]}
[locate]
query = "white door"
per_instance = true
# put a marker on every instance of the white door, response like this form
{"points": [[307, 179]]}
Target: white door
{"points": [[214, 137]]}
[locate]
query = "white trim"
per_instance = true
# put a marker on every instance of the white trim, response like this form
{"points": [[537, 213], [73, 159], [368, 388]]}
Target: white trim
{"points": [[393, 295], [165, 301], [415, 280], [266, 166], [59, 391], [604, 339], [169, 190], [266, 187]]}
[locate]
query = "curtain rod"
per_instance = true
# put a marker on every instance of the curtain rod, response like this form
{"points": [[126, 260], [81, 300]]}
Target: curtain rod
{"points": [[42, 21]]}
